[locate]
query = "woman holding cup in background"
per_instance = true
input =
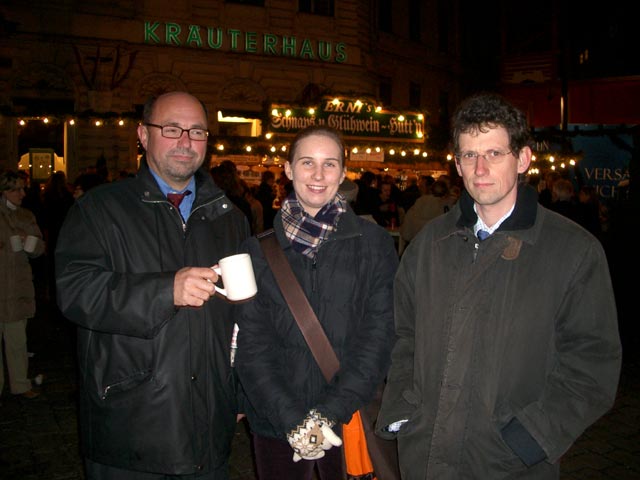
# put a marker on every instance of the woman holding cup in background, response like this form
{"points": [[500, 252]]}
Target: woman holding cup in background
{"points": [[20, 239]]}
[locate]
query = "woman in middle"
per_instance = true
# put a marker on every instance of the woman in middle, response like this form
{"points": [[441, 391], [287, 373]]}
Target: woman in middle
{"points": [[346, 267]]}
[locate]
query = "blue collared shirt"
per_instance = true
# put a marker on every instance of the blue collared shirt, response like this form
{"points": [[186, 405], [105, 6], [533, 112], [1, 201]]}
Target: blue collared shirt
{"points": [[187, 201], [480, 225]]}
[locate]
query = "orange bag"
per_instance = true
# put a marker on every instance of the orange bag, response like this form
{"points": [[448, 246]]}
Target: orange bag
{"points": [[356, 455]]}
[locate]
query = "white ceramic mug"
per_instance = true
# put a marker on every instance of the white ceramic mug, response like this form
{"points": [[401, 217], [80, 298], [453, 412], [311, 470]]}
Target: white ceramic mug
{"points": [[237, 276], [16, 243], [30, 243]]}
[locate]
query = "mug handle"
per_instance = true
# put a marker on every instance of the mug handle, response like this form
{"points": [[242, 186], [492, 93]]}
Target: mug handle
{"points": [[221, 291]]}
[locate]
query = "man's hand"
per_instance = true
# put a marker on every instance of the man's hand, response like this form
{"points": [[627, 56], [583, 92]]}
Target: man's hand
{"points": [[192, 286]]}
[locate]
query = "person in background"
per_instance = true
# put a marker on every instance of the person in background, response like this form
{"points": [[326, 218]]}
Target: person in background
{"points": [[425, 209], [388, 213], [508, 347], [589, 210], [17, 293], [266, 195], [56, 200], [368, 199], [349, 189], [546, 193], [418, 186], [410, 194], [133, 264], [226, 177], [345, 266], [33, 197], [564, 201], [257, 213], [85, 182]]}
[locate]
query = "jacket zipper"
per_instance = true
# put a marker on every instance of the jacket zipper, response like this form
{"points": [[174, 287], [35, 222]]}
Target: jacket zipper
{"points": [[314, 272], [105, 391], [182, 220]]}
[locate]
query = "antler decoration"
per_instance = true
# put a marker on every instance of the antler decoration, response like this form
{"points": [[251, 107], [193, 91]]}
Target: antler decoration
{"points": [[116, 77]]}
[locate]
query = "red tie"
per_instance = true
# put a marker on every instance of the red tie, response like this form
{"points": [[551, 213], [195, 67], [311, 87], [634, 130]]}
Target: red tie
{"points": [[176, 198]]}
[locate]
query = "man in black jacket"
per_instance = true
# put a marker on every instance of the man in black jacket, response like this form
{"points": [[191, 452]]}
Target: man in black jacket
{"points": [[133, 272]]}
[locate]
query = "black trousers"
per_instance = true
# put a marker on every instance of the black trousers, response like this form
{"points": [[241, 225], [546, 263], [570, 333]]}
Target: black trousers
{"points": [[274, 461]]}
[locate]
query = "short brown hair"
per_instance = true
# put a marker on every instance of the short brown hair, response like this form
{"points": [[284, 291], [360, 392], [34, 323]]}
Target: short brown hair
{"points": [[9, 180], [322, 130]]}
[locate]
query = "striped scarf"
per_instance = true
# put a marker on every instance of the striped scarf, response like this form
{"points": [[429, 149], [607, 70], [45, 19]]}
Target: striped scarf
{"points": [[307, 233]]}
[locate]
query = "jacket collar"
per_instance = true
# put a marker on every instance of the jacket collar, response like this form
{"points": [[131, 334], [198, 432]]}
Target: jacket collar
{"points": [[205, 188], [523, 216]]}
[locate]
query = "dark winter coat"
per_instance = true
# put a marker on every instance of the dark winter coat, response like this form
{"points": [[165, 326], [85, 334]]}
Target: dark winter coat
{"points": [[508, 345], [156, 387], [349, 286]]}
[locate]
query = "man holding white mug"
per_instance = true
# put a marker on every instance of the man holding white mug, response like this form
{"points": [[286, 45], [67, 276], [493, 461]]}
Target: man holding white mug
{"points": [[133, 268], [17, 294]]}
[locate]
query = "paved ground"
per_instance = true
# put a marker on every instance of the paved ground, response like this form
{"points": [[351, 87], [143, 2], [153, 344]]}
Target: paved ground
{"points": [[38, 438]]}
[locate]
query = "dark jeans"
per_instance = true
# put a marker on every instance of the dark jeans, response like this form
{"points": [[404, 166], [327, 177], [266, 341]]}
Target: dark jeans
{"points": [[274, 461], [98, 471]]}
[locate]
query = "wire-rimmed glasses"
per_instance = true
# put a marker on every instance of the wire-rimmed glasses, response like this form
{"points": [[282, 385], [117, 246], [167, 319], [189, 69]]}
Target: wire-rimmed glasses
{"points": [[493, 157]]}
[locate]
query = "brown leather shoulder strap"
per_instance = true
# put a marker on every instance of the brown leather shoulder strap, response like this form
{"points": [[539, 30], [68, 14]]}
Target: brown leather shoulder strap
{"points": [[298, 303]]}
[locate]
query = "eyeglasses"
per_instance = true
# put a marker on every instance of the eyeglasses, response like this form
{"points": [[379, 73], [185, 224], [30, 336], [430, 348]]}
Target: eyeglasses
{"points": [[493, 157], [171, 131]]}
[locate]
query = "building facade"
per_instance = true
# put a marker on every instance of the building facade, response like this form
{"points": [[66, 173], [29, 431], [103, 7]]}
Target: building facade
{"points": [[75, 74]]}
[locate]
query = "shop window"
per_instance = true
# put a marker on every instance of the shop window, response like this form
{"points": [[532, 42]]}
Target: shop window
{"points": [[316, 7]]}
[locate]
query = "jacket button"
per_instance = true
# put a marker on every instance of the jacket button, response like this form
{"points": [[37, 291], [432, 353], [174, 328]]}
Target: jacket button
{"points": [[224, 205], [198, 467], [194, 378]]}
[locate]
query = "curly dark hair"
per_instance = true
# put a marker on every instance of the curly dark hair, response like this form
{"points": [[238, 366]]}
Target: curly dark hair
{"points": [[484, 111], [9, 179]]}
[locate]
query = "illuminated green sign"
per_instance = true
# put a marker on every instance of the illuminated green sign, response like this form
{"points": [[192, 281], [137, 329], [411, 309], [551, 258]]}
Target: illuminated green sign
{"points": [[355, 119], [234, 40]]}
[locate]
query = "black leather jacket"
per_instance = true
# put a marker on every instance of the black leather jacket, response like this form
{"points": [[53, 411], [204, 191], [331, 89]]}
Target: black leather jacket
{"points": [[156, 388]]}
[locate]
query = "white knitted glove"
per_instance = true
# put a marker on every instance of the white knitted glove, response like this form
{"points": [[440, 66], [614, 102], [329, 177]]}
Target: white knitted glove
{"points": [[312, 437], [330, 438]]}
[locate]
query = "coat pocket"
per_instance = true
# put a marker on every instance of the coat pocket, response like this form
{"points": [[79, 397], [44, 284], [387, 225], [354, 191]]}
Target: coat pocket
{"points": [[113, 390]]}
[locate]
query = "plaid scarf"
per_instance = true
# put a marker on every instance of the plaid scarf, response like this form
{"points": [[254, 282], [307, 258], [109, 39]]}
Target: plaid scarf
{"points": [[307, 233]]}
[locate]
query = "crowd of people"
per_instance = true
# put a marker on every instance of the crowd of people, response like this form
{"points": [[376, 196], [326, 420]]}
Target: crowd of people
{"points": [[494, 334]]}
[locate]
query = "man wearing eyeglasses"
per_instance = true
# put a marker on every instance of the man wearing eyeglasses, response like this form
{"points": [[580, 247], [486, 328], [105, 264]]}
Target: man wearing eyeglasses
{"points": [[133, 272], [508, 345]]}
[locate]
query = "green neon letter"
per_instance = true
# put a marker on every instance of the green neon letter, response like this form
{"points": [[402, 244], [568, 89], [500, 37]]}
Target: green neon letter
{"points": [[270, 42], [324, 50], [341, 53], [218, 42], [173, 30], [306, 50], [250, 42], [194, 36], [234, 38], [150, 32], [289, 46]]}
